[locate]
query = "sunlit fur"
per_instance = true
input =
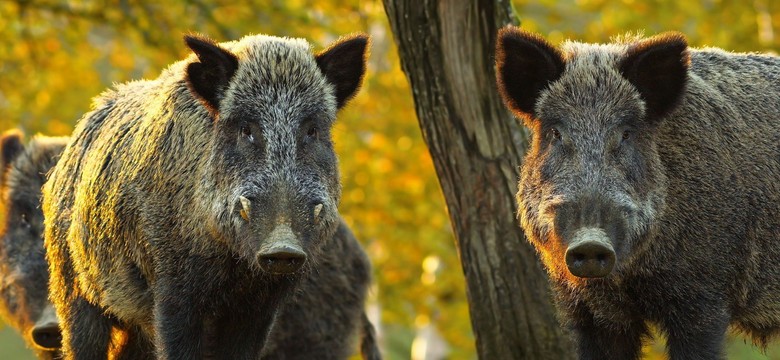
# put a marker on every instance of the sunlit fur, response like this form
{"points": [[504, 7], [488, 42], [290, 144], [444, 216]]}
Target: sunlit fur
{"points": [[693, 191], [143, 224], [24, 276]]}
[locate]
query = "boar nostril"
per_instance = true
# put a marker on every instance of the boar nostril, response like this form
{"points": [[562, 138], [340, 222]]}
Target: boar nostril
{"points": [[590, 259], [47, 336], [285, 260]]}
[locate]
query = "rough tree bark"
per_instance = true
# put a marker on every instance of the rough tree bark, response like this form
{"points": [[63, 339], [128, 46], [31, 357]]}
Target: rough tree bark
{"points": [[446, 49]]}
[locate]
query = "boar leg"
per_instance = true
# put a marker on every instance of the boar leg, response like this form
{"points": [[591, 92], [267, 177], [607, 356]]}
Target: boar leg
{"points": [[178, 321], [242, 334], [696, 335], [86, 331], [136, 346], [606, 340]]}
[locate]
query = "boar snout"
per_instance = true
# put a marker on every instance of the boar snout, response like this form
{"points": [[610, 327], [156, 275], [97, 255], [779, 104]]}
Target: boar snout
{"points": [[590, 254], [282, 253], [48, 336], [46, 331]]}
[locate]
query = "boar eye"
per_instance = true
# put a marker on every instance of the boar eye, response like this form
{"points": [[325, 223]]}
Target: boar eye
{"points": [[626, 135], [246, 132], [313, 133], [555, 134], [25, 222]]}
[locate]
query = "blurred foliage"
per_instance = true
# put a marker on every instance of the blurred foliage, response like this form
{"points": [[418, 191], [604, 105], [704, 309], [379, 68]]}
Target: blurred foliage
{"points": [[734, 25], [12, 347], [56, 55]]}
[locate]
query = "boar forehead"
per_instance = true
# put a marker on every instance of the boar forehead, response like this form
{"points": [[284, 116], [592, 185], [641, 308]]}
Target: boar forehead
{"points": [[278, 84], [591, 96]]}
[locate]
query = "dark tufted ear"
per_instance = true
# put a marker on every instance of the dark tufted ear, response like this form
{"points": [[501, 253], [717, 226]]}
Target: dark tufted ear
{"points": [[344, 63], [209, 77], [658, 68], [10, 147], [525, 65]]}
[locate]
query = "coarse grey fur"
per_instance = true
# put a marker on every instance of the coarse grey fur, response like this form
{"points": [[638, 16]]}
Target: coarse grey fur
{"points": [[24, 275], [674, 154], [144, 227]]}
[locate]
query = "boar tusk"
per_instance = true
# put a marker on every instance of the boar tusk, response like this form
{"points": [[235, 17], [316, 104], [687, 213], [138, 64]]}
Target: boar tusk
{"points": [[317, 210], [245, 207]]}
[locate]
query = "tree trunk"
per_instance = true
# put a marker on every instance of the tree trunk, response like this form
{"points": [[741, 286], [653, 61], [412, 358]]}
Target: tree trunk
{"points": [[447, 52]]}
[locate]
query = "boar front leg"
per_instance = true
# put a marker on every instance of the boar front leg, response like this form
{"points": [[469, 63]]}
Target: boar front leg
{"points": [[241, 334], [177, 319], [599, 341], [86, 331], [136, 346], [696, 334]]}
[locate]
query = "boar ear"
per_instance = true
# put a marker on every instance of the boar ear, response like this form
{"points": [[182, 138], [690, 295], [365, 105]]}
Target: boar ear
{"points": [[344, 63], [209, 77], [10, 147], [525, 65], [658, 68]]}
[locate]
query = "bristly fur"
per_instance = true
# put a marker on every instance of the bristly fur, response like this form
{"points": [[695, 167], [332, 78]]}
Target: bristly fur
{"points": [[673, 153], [143, 210], [24, 276]]}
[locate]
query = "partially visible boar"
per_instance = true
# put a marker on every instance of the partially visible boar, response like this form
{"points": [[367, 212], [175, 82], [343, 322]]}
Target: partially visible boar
{"points": [[24, 276], [652, 188], [186, 209]]}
